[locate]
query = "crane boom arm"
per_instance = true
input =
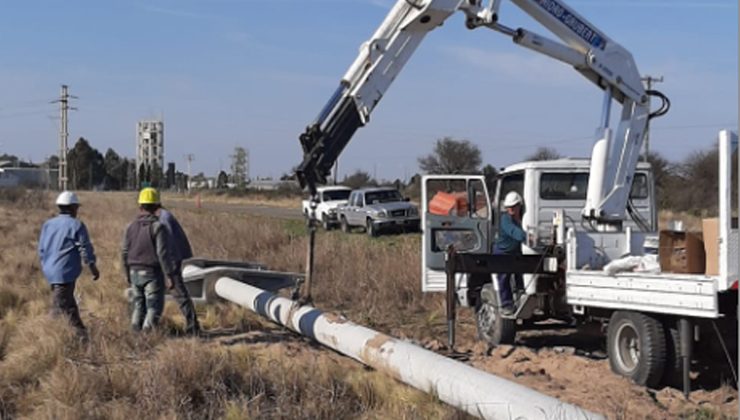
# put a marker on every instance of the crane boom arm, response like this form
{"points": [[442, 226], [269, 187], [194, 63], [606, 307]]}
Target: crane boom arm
{"points": [[588, 50], [380, 60]]}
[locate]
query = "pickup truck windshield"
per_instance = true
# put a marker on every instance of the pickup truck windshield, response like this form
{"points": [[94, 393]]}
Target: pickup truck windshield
{"points": [[388, 196], [336, 195]]}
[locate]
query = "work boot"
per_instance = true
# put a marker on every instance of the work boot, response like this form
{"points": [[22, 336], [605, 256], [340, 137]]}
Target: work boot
{"points": [[507, 310], [193, 331]]}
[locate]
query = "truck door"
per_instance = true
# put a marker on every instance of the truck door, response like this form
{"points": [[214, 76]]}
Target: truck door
{"points": [[357, 214], [456, 210], [351, 208]]}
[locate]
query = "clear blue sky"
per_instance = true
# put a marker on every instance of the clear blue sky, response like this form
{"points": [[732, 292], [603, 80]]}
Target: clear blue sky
{"points": [[253, 73]]}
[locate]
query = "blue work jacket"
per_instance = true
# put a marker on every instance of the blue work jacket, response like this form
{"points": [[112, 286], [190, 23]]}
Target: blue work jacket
{"points": [[63, 246], [510, 236]]}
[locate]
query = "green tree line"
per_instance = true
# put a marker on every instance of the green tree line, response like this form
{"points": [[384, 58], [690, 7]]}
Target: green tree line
{"points": [[88, 169]]}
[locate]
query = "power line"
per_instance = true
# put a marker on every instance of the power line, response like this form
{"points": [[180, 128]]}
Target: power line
{"points": [[24, 114], [24, 105], [681, 127]]}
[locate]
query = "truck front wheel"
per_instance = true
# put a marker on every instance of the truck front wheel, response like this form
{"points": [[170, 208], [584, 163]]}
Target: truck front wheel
{"points": [[370, 228], [492, 328], [637, 347], [345, 225]]}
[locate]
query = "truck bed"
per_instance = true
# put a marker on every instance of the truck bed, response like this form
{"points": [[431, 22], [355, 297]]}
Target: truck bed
{"points": [[668, 293]]}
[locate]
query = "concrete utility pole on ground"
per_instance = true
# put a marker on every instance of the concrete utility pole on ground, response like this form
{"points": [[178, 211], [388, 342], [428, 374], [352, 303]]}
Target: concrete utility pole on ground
{"points": [[64, 135], [649, 80]]}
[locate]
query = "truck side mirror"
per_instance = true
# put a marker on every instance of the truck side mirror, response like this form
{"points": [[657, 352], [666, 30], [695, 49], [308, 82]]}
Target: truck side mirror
{"points": [[406, 199]]}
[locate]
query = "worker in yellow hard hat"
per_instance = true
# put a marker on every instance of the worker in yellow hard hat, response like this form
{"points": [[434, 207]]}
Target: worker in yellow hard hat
{"points": [[148, 259], [149, 196]]}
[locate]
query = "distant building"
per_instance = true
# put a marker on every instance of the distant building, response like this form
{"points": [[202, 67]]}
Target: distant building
{"points": [[149, 146], [268, 184], [202, 183], [27, 177], [170, 175]]}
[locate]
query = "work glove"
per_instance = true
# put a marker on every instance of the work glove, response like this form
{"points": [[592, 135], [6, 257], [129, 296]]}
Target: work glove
{"points": [[94, 271], [169, 283]]}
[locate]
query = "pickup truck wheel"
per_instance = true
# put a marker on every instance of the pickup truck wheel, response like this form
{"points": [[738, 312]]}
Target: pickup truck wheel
{"points": [[492, 328], [637, 347], [370, 228], [345, 225], [325, 222]]}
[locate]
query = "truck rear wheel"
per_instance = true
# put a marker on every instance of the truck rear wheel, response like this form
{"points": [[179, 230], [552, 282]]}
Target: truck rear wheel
{"points": [[637, 347], [492, 328], [673, 370]]}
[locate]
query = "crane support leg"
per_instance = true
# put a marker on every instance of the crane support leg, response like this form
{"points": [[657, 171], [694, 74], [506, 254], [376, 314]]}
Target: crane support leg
{"points": [[686, 336]]}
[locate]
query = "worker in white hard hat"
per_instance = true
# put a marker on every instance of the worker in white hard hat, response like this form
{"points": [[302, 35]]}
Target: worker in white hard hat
{"points": [[509, 241], [64, 245]]}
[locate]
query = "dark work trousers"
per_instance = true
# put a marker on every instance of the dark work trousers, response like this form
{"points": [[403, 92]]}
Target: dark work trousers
{"points": [[64, 304], [507, 282], [182, 297]]}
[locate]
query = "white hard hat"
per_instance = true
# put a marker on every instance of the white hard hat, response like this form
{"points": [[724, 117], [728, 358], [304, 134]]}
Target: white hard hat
{"points": [[67, 198], [512, 199]]}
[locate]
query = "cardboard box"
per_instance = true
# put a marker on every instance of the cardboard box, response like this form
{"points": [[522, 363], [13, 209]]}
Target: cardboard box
{"points": [[681, 252], [710, 233]]}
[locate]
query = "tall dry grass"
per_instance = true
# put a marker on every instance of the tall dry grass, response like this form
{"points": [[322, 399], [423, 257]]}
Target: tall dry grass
{"points": [[254, 370]]}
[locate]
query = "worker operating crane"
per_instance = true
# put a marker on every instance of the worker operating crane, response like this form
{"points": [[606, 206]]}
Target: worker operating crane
{"points": [[590, 52]]}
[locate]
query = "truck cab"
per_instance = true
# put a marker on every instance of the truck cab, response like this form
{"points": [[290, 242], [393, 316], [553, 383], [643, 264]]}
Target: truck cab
{"points": [[551, 185], [546, 187]]}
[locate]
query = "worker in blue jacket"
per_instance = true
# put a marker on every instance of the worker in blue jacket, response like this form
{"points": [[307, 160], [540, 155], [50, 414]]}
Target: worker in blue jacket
{"points": [[510, 239], [64, 246]]}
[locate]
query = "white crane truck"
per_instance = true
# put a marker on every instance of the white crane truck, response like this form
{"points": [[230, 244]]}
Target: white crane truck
{"points": [[644, 312]]}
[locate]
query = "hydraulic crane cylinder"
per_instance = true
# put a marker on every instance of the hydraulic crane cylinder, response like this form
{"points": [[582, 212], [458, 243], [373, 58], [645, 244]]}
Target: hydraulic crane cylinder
{"points": [[479, 393]]}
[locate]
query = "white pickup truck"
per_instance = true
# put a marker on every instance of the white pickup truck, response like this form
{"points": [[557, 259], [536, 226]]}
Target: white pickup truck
{"points": [[330, 198]]}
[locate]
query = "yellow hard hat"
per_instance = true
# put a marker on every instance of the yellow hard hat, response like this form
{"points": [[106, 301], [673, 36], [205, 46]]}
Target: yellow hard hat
{"points": [[149, 196]]}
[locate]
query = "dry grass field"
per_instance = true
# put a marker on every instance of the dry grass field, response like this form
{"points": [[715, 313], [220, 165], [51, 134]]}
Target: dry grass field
{"points": [[246, 367], [271, 198]]}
